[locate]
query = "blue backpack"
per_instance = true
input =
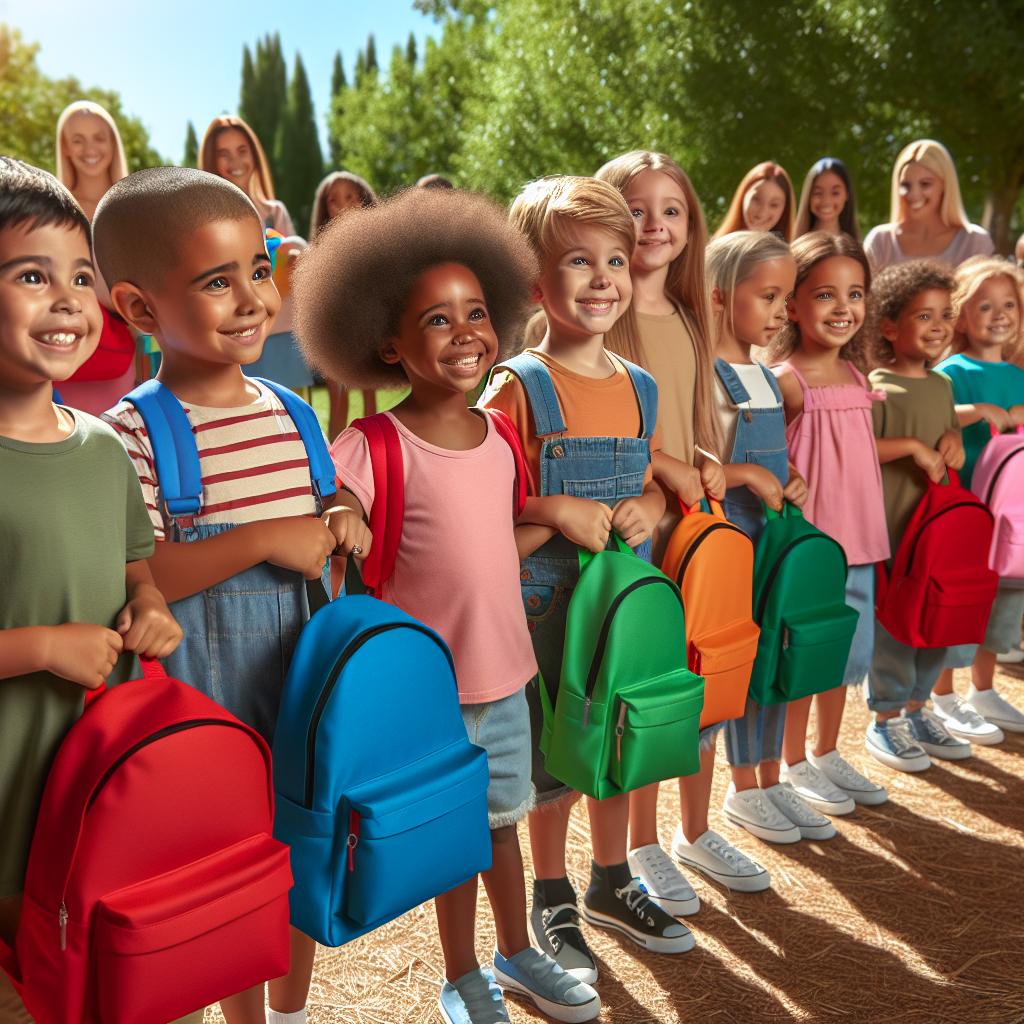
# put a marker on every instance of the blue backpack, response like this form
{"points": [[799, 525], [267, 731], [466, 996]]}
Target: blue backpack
{"points": [[378, 790]]}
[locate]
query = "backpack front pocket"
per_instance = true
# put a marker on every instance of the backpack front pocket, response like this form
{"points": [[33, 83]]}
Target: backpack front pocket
{"points": [[415, 833], [1008, 548], [957, 607], [175, 943], [814, 650], [655, 730], [725, 658]]}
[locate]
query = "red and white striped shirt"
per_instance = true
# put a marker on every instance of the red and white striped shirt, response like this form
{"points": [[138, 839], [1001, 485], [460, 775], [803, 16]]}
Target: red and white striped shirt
{"points": [[251, 458]]}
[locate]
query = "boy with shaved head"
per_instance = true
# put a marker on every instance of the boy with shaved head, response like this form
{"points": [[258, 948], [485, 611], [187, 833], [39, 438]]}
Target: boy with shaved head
{"points": [[184, 256]]}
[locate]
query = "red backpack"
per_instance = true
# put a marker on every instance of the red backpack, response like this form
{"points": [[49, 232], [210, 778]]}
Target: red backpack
{"points": [[154, 886], [940, 590]]}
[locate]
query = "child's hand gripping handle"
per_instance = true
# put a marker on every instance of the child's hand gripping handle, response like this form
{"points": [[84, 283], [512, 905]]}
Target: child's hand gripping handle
{"points": [[151, 669]]}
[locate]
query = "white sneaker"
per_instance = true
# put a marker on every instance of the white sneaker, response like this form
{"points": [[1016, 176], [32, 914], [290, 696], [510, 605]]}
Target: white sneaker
{"points": [[962, 721], [720, 861], [1014, 656], [812, 825], [664, 882], [891, 743], [996, 709], [752, 810], [842, 774], [815, 788]]}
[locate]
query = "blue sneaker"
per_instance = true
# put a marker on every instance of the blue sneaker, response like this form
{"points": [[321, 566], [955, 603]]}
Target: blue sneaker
{"points": [[934, 738], [472, 999], [556, 993], [892, 743]]}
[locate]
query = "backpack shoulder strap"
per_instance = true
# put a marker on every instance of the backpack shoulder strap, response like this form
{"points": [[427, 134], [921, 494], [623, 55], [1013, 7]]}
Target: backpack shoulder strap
{"points": [[504, 426], [321, 468], [730, 379], [388, 497], [646, 394], [540, 393], [175, 454]]}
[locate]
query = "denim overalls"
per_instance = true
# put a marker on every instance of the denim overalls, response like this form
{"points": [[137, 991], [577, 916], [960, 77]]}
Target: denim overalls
{"points": [[761, 441], [606, 469]]}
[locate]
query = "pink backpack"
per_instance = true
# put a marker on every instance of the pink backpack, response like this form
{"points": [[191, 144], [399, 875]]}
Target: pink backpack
{"points": [[998, 480]]}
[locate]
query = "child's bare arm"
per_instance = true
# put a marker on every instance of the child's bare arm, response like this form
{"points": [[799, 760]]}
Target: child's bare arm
{"points": [[145, 622], [928, 459], [792, 395], [531, 536], [762, 482], [583, 521], [995, 415], [681, 479], [77, 651]]}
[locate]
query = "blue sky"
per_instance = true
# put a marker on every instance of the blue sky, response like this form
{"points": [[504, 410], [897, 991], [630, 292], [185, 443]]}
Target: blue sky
{"points": [[179, 60]]}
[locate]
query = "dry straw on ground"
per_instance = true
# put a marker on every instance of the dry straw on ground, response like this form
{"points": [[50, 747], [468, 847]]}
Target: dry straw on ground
{"points": [[913, 914]]}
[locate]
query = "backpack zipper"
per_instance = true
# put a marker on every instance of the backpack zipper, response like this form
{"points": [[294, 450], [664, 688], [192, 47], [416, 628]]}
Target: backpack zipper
{"points": [[931, 519], [602, 639], [620, 728], [697, 543], [777, 567], [999, 469], [328, 688]]}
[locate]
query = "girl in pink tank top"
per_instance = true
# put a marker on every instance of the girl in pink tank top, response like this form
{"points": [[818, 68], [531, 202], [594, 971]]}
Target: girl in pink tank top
{"points": [[831, 442]]}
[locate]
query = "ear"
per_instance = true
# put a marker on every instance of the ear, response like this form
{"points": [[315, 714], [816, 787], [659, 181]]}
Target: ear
{"points": [[389, 353], [960, 325], [791, 309], [717, 300], [536, 294], [889, 330], [134, 307]]}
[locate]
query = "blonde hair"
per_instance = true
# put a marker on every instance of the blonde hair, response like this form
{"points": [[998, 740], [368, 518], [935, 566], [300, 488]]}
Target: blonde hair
{"points": [[65, 169], [936, 158], [969, 277], [685, 286], [767, 171], [261, 184], [730, 260], [547, 207]]}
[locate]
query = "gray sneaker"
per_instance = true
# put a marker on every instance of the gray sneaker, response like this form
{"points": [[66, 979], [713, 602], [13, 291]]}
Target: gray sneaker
{"points": [[891, 743], [540, 979], [926, 727]]}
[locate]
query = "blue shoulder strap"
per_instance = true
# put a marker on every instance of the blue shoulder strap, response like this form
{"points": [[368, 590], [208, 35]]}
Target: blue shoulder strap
{"points": [[540, 393], [730, 379], [773, 382], [646, 394]]}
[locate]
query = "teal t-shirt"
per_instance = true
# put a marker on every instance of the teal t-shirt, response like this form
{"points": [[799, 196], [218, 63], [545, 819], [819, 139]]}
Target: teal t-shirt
{"points": [[974, 381]]}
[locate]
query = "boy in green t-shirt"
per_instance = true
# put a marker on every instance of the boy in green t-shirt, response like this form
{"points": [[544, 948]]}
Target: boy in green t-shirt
{"points": [[74, 533]]}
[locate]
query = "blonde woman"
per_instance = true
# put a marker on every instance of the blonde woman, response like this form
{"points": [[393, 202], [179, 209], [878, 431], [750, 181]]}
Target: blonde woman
{"points": [[927, 216]]}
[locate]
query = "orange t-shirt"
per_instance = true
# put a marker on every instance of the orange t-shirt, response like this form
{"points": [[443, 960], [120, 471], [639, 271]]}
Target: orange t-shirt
{"points": [[591, 407]]}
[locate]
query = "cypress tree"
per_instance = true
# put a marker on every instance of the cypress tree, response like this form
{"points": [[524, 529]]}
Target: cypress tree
{"points": [[191, 147], [297, 149], [339, 84], [411, 54]]}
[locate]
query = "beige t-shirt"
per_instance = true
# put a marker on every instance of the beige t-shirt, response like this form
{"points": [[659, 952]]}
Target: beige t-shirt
{"points": [[670, 357]]}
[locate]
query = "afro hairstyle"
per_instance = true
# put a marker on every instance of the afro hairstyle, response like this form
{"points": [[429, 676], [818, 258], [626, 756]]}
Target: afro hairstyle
{"points": [[351, 286], [34, 197], [892, 289], [143, 219]]}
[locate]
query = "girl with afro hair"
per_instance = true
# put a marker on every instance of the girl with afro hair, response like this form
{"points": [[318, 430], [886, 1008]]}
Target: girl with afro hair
{"points": [[428, 289]]}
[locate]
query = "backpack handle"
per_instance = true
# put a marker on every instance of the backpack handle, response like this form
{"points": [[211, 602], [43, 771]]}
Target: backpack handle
{"points": [[151, 669], [789, 511], [1019, 429], [585, 556], [712, 505]]}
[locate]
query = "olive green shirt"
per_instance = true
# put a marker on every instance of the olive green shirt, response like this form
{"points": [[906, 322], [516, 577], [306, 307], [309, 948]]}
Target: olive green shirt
{"points": [[71, 516]]}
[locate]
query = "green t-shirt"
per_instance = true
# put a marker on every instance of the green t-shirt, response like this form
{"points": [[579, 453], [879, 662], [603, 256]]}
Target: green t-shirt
{"points": [[974, 381], [71, 516], [920, 407]]}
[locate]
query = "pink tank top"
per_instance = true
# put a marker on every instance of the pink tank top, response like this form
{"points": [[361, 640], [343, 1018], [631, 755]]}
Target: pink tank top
{"points": [[832, 444]]}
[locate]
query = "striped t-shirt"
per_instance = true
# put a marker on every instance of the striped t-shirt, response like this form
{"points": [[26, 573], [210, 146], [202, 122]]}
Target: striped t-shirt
{"points": [[251, 458]]}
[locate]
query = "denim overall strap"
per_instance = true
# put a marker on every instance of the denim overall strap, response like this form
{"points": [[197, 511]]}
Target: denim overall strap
{"points": [[730, 379], [540, 393], [646, 395]]}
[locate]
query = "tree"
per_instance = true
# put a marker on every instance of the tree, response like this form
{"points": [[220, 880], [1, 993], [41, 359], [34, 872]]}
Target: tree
{"points": [[264, 93], [30, 104], [411, 52], [191, 158], [339, 83], [299, 159], [371, 54]]}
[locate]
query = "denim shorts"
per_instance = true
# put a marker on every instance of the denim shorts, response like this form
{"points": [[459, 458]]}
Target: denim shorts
{"points": [[502, 728], [860, 595], [756, 736], [900, 674], [1004, 623]]}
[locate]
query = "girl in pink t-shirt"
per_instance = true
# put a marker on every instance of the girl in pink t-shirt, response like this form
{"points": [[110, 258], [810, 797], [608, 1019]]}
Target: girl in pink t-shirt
{"points": [[417, 291], [831, 442]]}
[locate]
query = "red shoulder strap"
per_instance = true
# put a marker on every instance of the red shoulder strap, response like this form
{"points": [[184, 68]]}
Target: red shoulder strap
{"points": [[506, 428], [388, 497]]}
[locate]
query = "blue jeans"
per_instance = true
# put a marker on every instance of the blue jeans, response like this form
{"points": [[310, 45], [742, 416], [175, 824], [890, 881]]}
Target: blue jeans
{"points": [[899, 674], [860, 595]]}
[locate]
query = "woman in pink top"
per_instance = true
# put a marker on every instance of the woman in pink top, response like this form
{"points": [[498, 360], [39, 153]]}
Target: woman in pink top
{"points": [[831, 442]]}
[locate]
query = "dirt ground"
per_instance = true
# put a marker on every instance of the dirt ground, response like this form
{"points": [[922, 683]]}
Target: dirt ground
{"points": [[914, 914]]}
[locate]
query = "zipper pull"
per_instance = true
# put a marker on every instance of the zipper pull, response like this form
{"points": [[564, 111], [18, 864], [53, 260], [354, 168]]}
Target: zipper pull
{"points": [[620, 728], [785, 639], [586, 713], [62, 920], [353, 838]]}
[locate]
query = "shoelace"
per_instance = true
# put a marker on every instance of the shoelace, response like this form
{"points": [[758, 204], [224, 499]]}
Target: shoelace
{"points": [[655, 866], [963, 712], [900, 736], [636, 899], [847, 772], [793, 800], [563, 917], [767, 810], [933, 726], [733, 857]]}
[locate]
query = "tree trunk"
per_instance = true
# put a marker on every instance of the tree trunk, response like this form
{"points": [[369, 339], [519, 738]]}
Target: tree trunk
{"points": [[999, 203]]}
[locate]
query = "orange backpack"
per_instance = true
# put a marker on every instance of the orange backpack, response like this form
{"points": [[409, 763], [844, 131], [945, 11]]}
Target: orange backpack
{"points": [[712, 562]]}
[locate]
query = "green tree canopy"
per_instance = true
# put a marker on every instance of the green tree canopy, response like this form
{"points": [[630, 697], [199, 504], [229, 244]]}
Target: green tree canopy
{"points": [[191, 158], [264, 93], [297, 149]]}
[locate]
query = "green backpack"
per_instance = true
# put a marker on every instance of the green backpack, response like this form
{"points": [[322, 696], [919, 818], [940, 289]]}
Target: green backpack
{"points": [[627, 709], [799, 603]]}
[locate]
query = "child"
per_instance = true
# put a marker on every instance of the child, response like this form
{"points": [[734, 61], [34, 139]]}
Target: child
{"points": [[831, 442], [418, 290], [751, 275], [910, 320], [674, 344], [338, 192], [989, 392], [763, 201], [199, 281], [72, 609], [826, 201], [583, 234]]}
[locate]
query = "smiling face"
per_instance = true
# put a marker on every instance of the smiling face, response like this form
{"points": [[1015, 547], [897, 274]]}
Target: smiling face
{"points": [[585, 287], [659, 209], [758, 307], [828, 304], [89, 146], [828, 197], [921, 191], [445, 342], [233, 157], [342, 195], [49, 315], [923, 328], [763, 204], [990, 319]]}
